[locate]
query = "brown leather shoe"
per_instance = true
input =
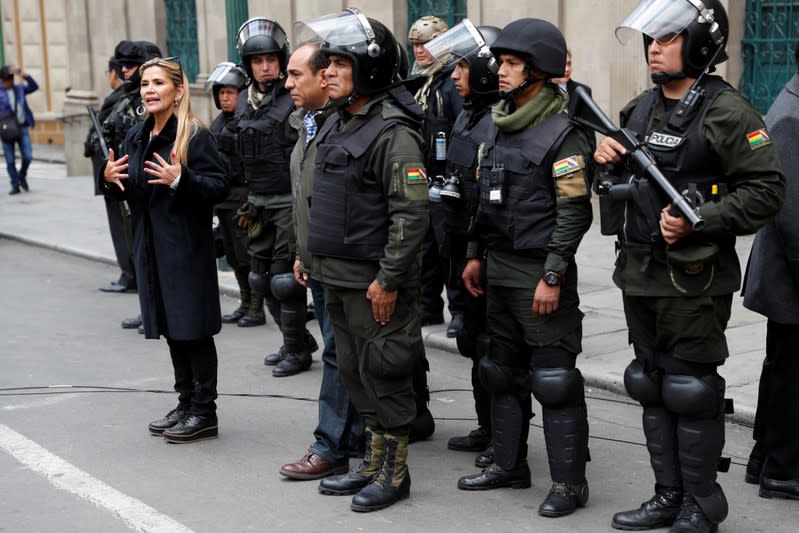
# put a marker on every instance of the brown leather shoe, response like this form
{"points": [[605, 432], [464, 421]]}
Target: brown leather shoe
{"points": [[313, 466]]}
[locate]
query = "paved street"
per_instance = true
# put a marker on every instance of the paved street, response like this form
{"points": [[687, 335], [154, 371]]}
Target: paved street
{"points": [[60, 331], [76, 392]]}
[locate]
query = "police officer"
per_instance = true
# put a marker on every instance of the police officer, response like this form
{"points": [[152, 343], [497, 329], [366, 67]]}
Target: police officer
{"points": [[534, 209], [677, 282], [127, 112], [265, 143], [475, 78], [441, 104], [114, 210], [226, 83], [367, 221]]}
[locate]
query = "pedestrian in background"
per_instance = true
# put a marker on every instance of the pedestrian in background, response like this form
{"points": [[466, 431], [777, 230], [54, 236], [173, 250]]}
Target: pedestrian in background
{"points": [[14, 107], [170, 174], [771, 288]]}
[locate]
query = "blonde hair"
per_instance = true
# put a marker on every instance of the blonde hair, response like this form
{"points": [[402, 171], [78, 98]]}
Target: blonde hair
{"points": [[187, 122]]}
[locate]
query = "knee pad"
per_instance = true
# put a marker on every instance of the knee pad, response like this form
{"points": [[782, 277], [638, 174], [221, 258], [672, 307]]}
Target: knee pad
{"points": [[258, 281], [496, 378], [643, 387], [286, 289], [692, 396], [557, 387]]}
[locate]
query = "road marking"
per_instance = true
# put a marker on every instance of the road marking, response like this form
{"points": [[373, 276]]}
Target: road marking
{"points": [[136, 514]]}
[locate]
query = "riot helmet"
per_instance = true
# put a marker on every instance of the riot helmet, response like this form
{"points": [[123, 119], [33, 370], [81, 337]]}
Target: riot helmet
{"points": [[466, 42], [702, 23], [225, 74], [370, 46], [260, 35], [539, 43]]}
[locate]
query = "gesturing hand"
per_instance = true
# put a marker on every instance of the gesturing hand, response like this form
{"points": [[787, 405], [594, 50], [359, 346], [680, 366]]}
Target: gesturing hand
{"points": [[165, 173], [115, 169]]}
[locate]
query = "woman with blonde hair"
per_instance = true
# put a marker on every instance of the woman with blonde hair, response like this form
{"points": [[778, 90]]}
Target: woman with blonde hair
{"points": [[170, 174]]}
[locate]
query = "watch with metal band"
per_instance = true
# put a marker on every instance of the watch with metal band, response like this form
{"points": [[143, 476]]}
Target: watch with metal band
{"points": [[552, 278]]}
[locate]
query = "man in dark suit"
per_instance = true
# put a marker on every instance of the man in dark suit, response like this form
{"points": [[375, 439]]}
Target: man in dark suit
{"points": [[771, 288]]}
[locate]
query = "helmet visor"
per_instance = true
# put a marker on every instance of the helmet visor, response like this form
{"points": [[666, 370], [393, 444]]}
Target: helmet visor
{"points": [[227, 74], [340, 29], [261, 26], [459, 42], [661, 20]]}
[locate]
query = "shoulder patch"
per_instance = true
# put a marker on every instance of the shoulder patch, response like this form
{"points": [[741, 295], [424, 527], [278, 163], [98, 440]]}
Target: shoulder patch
{"points": [[569, 165], [758, 139], [415, 175]]}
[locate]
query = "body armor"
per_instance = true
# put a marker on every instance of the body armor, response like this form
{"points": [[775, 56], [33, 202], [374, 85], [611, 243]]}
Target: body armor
{"points": [[681, 155], [352, 221], [264, 146], [516, 169], [224, 129]]}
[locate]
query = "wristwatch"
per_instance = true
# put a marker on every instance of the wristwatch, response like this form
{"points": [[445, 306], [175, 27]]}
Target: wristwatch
{"points": [[552, 278]]}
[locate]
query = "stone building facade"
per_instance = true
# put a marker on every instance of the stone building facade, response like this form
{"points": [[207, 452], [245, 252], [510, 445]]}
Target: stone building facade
{"points": [[65, 45]]}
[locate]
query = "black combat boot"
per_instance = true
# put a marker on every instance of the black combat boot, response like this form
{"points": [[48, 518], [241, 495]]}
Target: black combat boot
{"points": [[244, 295], [660, 428], [360, 476], [476, 441], [255, 312], [566, 435], [660, 510], [393, 482], [494, 477], [692, 518]]}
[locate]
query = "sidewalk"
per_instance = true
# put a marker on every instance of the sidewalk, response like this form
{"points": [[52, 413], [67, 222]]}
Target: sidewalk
{"points": [[61, 213]]}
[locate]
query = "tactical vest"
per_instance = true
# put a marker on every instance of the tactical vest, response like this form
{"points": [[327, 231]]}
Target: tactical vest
{"points": [[678, 146], [470, 130], [349, 215], [525, 220], [264, 147], [227, 140], [126, 113]]}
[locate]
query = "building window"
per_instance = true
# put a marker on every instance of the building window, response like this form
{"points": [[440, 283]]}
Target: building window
{"points": [[181, 29], [236, 13], [771, 33]]}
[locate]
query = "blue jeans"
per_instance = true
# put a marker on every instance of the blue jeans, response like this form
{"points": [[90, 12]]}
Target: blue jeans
{"points": [[340, 426], [26, 150]]}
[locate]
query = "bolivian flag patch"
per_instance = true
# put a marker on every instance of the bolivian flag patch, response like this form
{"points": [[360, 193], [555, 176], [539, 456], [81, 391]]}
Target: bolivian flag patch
{"points": [[566, 166], [758, 139], [416, 176]]}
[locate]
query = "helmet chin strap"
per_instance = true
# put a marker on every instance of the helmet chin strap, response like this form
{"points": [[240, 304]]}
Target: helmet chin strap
{"points": [[530, 80], [662, 78], [341, 103]]}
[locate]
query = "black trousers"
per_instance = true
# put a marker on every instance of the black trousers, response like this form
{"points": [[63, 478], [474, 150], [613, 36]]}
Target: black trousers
{"points": [[777, 417], [195, 365]]}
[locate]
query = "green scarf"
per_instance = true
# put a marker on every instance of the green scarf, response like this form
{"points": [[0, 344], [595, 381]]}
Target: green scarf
{"points": [[543, 105]]}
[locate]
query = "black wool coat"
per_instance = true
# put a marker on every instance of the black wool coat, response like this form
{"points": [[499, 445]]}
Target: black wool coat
{"points": [[173, 245]]}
